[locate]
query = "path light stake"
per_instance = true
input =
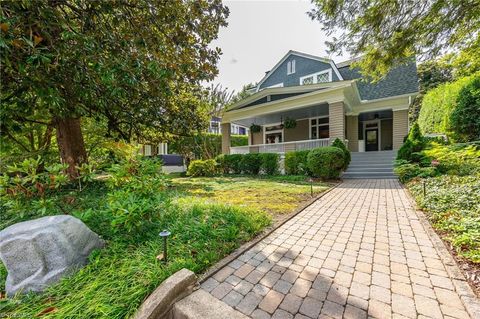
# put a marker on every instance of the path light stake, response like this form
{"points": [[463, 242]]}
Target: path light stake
{"points": [[164, 234], [311, 187], [424, 190]]}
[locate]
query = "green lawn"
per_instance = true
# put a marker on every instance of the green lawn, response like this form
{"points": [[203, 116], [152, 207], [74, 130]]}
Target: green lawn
{"points": [[208, 218]]}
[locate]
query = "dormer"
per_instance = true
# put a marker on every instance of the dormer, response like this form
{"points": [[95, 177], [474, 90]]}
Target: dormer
{"points": [[297, 68]]}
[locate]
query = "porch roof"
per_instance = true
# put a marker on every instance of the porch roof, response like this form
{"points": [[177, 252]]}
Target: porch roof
{"points": [[307, 103]]}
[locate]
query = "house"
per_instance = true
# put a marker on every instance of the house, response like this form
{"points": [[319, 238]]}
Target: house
{"points": [[324, 101], [215, 127]]}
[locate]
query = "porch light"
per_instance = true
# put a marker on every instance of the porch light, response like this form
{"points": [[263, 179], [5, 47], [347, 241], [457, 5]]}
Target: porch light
{"points": [[164, 234]]}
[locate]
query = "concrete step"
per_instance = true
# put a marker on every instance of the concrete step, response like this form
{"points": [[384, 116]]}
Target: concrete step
{"points": [[369, 169], [202, 305], [369, 177]]}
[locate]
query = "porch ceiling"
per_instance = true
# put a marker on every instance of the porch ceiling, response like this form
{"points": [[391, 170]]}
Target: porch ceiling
{"points": [[302, 113]]}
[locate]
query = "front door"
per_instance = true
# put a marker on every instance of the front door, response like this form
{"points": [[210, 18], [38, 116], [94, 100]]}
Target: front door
{"points": [[372, 140]]}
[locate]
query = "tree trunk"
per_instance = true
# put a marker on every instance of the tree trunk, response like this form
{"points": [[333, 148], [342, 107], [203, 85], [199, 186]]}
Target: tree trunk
{"points": [[71, 144]]}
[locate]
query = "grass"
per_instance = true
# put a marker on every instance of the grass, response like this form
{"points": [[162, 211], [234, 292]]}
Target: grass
{"points": [[276, 195], [208, 218]]}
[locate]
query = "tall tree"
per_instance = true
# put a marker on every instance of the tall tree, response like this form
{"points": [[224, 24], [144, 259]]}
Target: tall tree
{"points": [[386, 32], [136, 64]]}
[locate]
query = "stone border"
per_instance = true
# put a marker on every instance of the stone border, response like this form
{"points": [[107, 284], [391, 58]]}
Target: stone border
{"points": [[160, 302], [246, 246], [468, 297]]}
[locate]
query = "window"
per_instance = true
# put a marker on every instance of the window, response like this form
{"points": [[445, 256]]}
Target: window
{"points": [[214, 127], [291, 67], [273, 134], [319, 128], [307, 80], [319, 77]]}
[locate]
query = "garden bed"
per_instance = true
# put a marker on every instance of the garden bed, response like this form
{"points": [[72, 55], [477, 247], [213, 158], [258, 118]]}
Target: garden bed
{"points": [[452, 204], [208, 218]]}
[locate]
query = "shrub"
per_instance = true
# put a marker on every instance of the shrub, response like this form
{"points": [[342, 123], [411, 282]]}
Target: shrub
{"points": [[233, 163], [408, 171], [326, 162], [438, 105], [251, 163], [465, 119], [347, 156], [413, 144], [296, 163], [270, 163], [456, 159], [202, 168]]}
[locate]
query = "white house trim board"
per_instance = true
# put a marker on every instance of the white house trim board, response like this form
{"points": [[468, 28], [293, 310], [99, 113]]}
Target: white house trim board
{"points": [[287, 90], [304, 55], [278, 85]]}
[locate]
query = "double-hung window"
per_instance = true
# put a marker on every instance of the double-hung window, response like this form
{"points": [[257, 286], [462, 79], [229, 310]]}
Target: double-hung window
{"points": [[290, 67], [319, 128]]}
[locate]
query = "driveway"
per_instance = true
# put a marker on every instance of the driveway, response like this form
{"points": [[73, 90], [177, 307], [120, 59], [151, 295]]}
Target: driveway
{"points": [[361, 250]]}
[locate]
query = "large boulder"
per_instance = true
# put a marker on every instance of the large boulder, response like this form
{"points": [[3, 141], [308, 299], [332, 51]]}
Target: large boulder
{"points": [[37, 253]]}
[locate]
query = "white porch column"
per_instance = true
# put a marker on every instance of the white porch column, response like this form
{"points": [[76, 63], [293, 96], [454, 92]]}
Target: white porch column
{"points": [[400, 127], [226, 132], [336, 114]]}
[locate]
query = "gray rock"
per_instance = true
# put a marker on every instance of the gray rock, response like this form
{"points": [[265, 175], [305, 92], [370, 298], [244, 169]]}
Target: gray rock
{"points": [[37, 253]]}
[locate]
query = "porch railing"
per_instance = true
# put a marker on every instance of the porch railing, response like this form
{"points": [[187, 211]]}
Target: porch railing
{"points": [[280, 147]]}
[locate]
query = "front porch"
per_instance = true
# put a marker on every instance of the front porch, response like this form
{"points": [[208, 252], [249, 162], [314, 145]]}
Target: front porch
{"points": [[318, 117]]}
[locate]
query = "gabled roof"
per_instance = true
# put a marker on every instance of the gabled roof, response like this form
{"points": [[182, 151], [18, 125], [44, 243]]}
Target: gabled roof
{"points": [[301, 54], [285, 90]]}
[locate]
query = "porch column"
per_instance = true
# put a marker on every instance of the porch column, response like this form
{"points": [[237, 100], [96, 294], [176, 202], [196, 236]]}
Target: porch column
{"points": [[352, 133], [226, 132], [400, 127], [336, 114]]}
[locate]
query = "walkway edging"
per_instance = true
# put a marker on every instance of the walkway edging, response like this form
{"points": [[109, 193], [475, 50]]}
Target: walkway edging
{"points": [[468, 297], [248, 245]]}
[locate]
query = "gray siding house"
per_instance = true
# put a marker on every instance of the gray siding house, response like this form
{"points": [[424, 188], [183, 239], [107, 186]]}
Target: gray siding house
{"points": [[326, 101]]}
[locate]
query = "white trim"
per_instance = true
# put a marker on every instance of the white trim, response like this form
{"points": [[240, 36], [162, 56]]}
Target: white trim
{"points": [[304, 55], [310, 126], [314, 75], [264, 128], [278, 85]]}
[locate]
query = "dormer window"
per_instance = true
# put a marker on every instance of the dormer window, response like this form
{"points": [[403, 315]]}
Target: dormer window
{"points": [[320, 77], [291, 67]]}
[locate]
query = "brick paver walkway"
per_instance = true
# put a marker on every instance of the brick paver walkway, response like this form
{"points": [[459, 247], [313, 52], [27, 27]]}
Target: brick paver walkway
{"points": [[358, 251]]}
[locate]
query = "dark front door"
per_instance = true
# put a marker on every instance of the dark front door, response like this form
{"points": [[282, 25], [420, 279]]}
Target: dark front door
{"points": [[372, 139]]}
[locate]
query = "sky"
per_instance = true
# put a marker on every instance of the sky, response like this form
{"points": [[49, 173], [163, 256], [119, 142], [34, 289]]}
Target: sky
{"points": [[260, 33]]}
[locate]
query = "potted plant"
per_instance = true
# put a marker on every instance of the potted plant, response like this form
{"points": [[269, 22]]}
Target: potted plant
{"points": [[290, 123], [255, 128]]}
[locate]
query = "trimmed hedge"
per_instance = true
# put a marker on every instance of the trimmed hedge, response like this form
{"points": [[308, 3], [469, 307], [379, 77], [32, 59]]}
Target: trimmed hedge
{"points": [[465, 118], [326, 162], [296, 163], [202, 168], [270, 163], [346, 153], [251, 163], [438, 105], [230, 164]]}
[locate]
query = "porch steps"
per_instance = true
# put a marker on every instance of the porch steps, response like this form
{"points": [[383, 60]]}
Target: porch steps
{"points": [[371, 165]]}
